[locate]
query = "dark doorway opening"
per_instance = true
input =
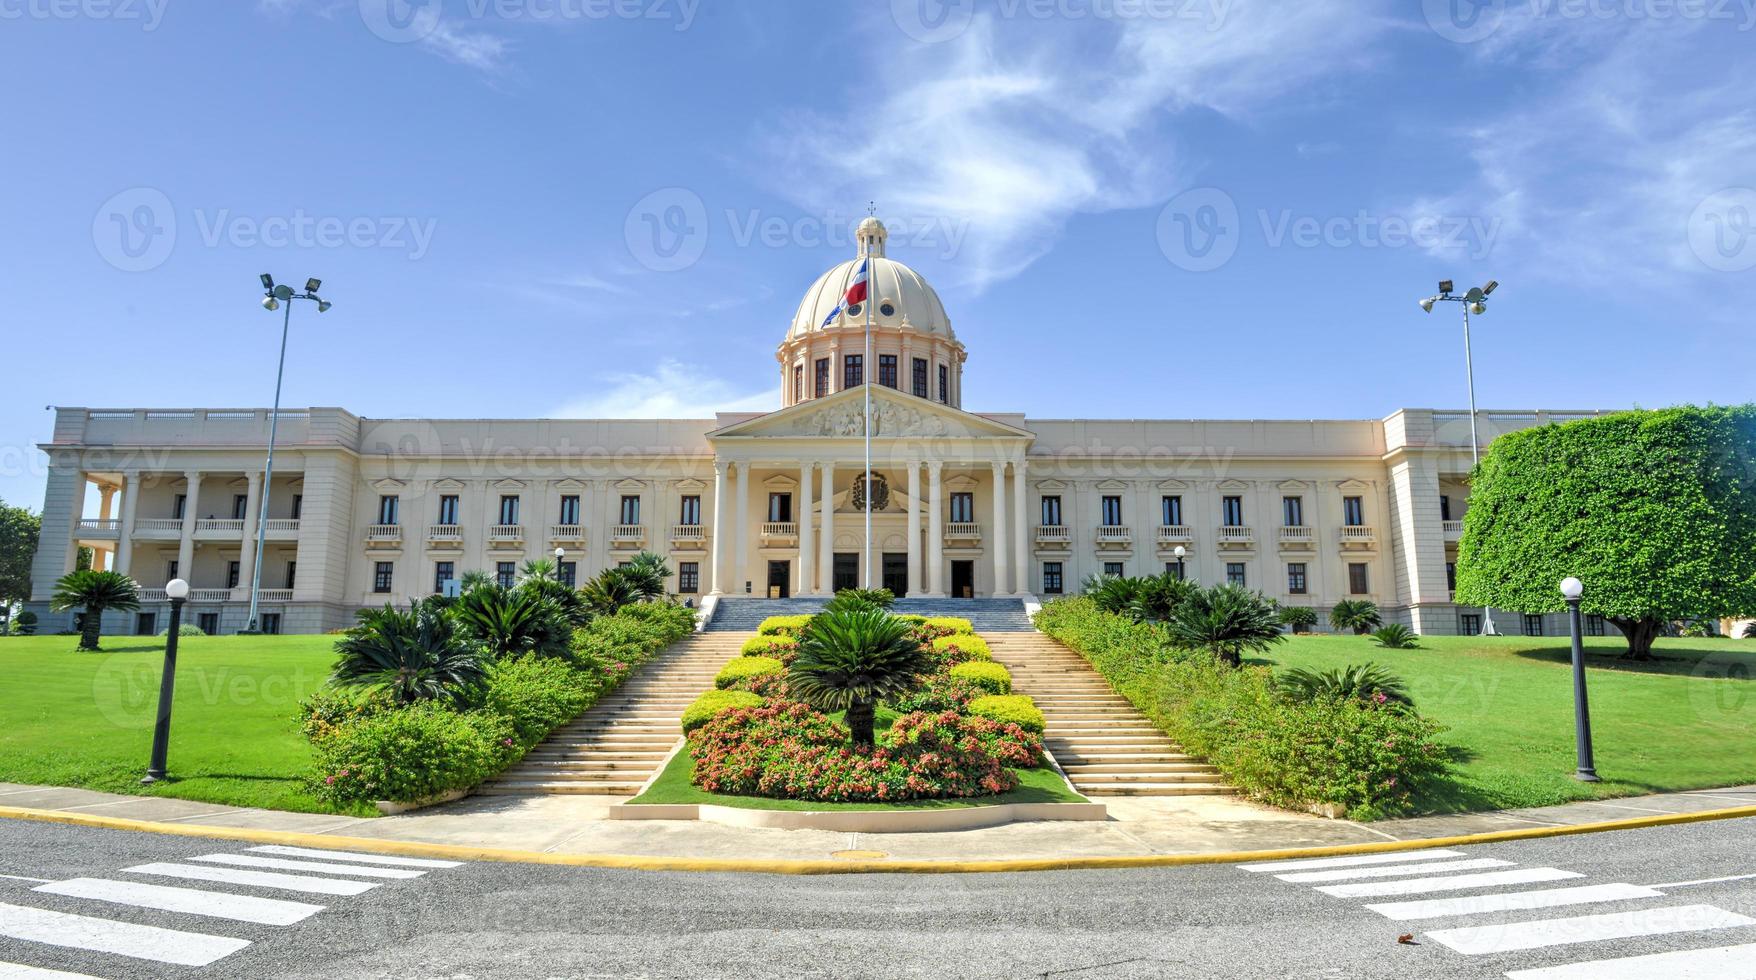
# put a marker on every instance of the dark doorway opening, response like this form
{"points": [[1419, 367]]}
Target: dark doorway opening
{"points": [[780, 578], [963, 579], [896, 574], [847, 571]]}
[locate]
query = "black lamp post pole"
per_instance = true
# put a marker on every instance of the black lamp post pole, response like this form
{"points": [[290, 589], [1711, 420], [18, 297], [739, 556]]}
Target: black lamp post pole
{"points": [[161, 732], [1581, 710]]}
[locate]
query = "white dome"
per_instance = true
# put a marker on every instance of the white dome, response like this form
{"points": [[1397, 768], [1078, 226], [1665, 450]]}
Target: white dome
{"points": [[895, 287]]}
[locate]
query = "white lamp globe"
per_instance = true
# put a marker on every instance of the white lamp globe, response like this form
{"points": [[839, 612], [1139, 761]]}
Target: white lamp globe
{"points": [[1572, 588], [1180, 552], [560, 553], [177, 589]]}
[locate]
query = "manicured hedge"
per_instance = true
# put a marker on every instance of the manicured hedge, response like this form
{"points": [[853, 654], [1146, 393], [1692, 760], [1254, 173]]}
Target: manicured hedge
{"points": [[1013, 709], [1369, 760], [703, 708], [768, 646], [783, 625], [962, 647], [742, 669], [992, 677]]}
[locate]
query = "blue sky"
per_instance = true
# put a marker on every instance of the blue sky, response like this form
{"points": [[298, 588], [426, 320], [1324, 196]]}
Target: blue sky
{"points": [[1254, 193]]}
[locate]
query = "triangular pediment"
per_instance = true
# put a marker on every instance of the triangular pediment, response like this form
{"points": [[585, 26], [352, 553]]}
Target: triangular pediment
{"points": [[898, 416]]}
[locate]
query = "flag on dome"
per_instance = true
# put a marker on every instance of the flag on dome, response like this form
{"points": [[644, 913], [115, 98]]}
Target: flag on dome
{"points": [[857, 288], [832, 315]]}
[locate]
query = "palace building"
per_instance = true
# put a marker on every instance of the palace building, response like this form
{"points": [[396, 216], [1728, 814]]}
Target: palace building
{"points": [[963, 503]]}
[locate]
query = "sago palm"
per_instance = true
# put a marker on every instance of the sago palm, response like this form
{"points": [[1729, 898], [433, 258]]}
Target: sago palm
{"points": [[851, 659], [510, 622], [1365, 682], [1226, 620], [646, 574], [95, 592], [1157, 598], [608, 592], [1358, 615], [412, 656]]}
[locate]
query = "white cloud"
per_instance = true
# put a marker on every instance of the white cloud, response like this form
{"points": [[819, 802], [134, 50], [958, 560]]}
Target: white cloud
{"points": [[473, 49], [673, 391]]}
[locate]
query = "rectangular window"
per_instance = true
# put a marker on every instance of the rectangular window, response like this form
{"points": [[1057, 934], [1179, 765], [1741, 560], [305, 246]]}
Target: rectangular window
{"points": [[1232, 511], [821, 382], [506, 574], [1594, 625], [298, 505], [232, 570], [1051, 578], [1469, 624], [292, 573], [1357, 583], [689, 515], [631, 509], [448, 509], [170, 569], [1112, 511], [1114, 569], [1353, 511], [853, 371], [146, 624], [240, 506], [798, 383], [569, 509], [689, 577], [1171, 511], [887, 370], [1235, 573], [509, 509], [1451, 576], [918, 377], [780, 508], [271, 624], [1051, 511], [1175, 570], [1292, 511], [180, 506], [963, 508], [443, 572], [383, 573], [1533, 625], [944, 385], [1296, 578], [207, 623], [568, 573], [387, 508], [1444, 507]]}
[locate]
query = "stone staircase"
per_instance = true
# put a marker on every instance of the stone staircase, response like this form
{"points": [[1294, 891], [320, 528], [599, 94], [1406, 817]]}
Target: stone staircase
{"points": [[744, 614], [741, 614], [1105, 746], [616, 746]]}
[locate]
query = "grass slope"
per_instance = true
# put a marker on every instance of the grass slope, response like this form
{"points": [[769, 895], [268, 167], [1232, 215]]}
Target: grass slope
{"points": [[1684, 721], [674, 785], [86, 719]]}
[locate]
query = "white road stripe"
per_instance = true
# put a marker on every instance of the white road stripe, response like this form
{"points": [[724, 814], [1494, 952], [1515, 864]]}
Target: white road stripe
{"points": [[120, 938], [18, 971], [283, 864], [1348, 862], [1434, 908], [1393, 870], [1704, 881], [355, 857], [1448, 883], [193, 901], [262, 879], [1477, 940], [1720, 963]]}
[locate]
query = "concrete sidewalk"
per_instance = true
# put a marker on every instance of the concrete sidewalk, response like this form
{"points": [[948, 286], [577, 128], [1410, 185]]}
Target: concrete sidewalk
{"points": [[1137, 827]]}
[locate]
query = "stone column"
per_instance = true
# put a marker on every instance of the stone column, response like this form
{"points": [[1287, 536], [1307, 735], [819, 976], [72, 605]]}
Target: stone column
{"points": [[247, 546], [935, 529], [717, 563], [997, 535], [741, 527], [186, 546], [1020, 540], [100, 557], [802, 513], [125, 542], [914, 527], [826, 571]]}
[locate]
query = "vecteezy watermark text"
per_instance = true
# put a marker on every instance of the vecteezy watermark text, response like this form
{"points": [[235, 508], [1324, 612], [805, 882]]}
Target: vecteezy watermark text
{"points": [[1468, 21], [405, 21], [933, 21], [149, 13]]}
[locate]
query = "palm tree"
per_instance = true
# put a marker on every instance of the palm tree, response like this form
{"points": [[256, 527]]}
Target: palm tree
{"points": [[472, 581], [1364, 682], [608, 592], [565, 597], [510, 622], [851, 659], [1157, 598], [1358, 615], [646, 574], [96, 591], [412, 655], [538, 568], [1226, 620]]}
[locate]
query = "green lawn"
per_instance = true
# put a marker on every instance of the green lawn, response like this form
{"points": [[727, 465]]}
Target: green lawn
{"points": [[86, 719], [673, 786], [1684, 721]]}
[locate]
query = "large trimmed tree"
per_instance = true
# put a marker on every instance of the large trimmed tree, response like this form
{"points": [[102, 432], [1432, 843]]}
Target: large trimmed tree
{"points": [[1655, 511]]}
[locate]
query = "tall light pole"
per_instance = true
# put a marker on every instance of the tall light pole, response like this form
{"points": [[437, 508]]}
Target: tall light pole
{"points": [[560, 553], [1180, 552], [1474, 301], [1571, 590], [177, 591], [273, 297]]}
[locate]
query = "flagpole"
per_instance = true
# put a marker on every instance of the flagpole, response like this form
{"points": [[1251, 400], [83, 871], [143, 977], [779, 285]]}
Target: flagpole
{"points": [[866, 375]]}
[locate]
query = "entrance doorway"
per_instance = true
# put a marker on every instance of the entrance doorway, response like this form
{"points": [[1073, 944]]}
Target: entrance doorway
{"points": [[780, 578], [847, 571], [963, 579], [896, 574]]}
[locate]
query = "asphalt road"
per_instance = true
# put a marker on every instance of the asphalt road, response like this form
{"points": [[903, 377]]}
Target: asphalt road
{"points": [[74, 899]]}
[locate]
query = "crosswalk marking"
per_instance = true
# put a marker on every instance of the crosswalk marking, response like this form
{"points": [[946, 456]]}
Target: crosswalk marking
{"points": [[18, 971], [355, 857], [120, 938], [1506, 937], [1394, 870], [194, 901], [284, 864], [1435, 908], [1721, 963], [263, 879], [1348, 862], [1415, 886]]}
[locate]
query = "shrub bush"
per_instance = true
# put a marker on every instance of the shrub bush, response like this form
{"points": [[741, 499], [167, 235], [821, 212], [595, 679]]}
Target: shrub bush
{"points": [[26, 623], [411, 753], [536, 694], [960, 648], [184, 630], [991, 677], [1396, 637], [1299, 619], [703, 708], [1009, 709], [1366, 682], [328, 708], [940, 692], [951, 625], [743, 670], [769, 646], [1334, 751], [783, 626]]}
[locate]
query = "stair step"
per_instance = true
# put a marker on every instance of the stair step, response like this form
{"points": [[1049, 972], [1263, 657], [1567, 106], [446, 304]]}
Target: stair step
{"points": [[532, 788], [1160, 789]]}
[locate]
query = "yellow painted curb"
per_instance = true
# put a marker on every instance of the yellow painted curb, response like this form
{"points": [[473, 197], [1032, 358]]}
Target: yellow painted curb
{"points": [[814, 867]]}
